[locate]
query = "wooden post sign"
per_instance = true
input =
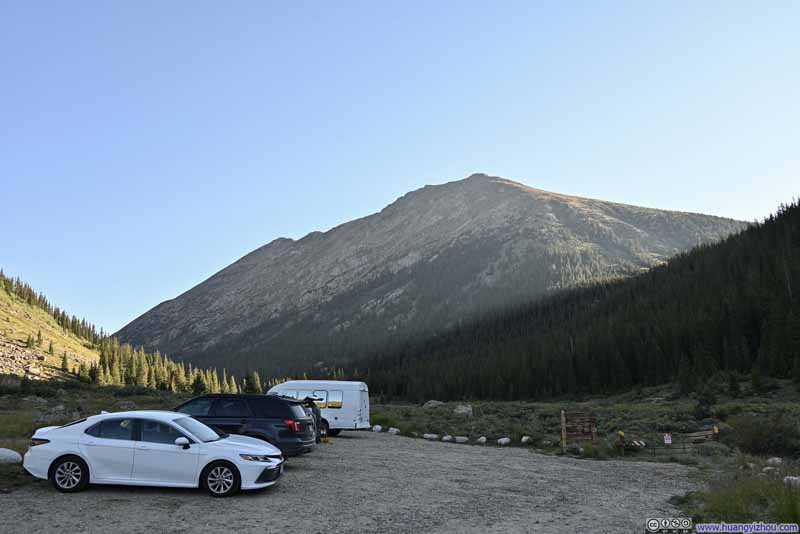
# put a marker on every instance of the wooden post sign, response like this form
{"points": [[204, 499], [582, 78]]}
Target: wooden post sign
{"points": [[577, 426]]}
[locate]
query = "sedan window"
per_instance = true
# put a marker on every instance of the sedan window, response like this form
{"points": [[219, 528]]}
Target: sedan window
{"points": [[155, 432], [112, 429], [203, 432]]}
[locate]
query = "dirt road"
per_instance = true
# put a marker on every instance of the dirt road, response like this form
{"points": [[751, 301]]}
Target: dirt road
{"points": [[371, 483]]}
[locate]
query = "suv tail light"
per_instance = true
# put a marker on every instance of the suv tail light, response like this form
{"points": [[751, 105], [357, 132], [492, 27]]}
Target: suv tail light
{"points": [[293, 425]]}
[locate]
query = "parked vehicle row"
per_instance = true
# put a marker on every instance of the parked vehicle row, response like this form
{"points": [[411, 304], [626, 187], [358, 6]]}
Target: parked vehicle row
{"points": [[220, 442]]}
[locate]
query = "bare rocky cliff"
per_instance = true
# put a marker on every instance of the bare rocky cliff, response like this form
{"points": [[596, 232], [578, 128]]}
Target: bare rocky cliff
{"points": [[437, 255]]}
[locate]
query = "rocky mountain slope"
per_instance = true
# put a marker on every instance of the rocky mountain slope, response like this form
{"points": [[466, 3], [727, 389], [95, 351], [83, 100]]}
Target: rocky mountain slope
{"points": [[437, 255]]}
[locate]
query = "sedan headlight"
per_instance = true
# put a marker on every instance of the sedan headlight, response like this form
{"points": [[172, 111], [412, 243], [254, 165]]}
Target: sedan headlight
{"points": [[258, 458]]}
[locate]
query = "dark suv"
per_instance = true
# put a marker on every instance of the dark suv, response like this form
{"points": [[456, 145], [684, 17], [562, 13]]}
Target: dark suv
{"points": [[279, 421]]}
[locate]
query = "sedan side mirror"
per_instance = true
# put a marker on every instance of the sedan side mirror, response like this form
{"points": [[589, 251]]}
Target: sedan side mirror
{"points": [[182, 442]]}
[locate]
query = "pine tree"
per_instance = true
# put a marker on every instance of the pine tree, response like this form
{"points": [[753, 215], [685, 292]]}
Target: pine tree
{"points": [[734, 390], [255, 383], [756, 381], [232, 386], [39, 339], [64, 363], [199, 385], [50, 349]]}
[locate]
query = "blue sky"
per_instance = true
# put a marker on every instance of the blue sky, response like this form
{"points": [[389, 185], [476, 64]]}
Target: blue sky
{"points": [[146, 145]]}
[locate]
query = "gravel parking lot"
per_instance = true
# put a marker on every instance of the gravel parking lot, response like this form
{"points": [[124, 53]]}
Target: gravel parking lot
{"points": [[365, 483]]}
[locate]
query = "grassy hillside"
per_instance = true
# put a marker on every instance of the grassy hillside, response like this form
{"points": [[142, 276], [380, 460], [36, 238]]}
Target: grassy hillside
{"points": [[20, 321]]}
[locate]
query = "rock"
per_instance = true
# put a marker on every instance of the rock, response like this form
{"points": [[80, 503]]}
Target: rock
{"points": [[447, 438], [432, 404], [775, 461], [769, 470], [431, 437], [7, 456], [481, 440], [526, 440], [126, 406], [503, 441], [791, 481], [393, 430], [461, 439], [547, 443], [377, 428], [464, 410]]}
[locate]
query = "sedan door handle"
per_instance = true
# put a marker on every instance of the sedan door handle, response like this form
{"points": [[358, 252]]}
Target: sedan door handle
{"points": [[90, 443], [143, 447]]}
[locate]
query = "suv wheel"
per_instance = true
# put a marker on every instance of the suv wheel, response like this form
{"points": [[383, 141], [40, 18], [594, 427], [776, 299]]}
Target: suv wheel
{"points": [[69, 474], [221, 479]]}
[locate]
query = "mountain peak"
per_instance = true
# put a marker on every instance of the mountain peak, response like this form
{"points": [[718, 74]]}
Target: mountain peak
{"points": [[437, 255]]}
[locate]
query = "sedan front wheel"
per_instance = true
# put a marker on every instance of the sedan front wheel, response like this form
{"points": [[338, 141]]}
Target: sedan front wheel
{"points": [[221, 479]]}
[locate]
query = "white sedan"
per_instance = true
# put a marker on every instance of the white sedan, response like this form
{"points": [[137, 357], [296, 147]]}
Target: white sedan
{"points": [[150, 448]]}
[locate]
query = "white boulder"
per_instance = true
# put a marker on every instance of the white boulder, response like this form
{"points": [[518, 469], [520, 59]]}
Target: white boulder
{"points": [[432, 404], [447, 438], [393, 430], [481, 440], [769, 470], [503, 441], [791, 481], [377, 428], [464, 410], [461, 439], [7, 456], [775, 461], [526, 440], [431, 437]]}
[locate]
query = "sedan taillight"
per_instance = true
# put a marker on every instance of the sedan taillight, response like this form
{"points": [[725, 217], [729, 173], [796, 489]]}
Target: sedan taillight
{"points": [[293, 425], [38, 441]]}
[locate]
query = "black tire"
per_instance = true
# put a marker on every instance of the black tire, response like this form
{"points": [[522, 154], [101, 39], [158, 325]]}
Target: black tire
{"points": [[324, 428], [221, 479], [333, 432], [69, 474]]}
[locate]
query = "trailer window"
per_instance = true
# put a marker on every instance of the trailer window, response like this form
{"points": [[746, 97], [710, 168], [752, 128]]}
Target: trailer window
{"points": [[322, 395], [335, 399]]}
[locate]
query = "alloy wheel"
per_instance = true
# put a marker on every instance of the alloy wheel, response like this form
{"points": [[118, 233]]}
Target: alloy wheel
{"points": [[68, 475], [220, 479]]}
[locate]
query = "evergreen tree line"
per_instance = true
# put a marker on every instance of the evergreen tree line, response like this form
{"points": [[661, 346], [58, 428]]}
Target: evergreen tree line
{"points": [[731, 307], [80, 327], [120, 364]]}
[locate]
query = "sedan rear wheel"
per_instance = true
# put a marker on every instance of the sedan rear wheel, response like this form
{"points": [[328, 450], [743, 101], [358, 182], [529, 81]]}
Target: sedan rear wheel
{"points": [[221, 479], [69, 474]]}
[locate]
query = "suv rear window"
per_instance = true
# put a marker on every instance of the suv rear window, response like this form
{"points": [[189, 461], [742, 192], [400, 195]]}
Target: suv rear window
{"points": [[297, 411]]}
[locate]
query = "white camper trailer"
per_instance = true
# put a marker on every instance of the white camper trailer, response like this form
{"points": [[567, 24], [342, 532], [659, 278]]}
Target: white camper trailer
{"points": [[344, 405]]}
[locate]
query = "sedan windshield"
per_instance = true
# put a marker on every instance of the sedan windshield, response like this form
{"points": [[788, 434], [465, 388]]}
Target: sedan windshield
{"points": [[203, 432]]}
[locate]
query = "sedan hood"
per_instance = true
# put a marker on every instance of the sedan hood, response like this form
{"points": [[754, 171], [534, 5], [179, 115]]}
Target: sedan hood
{"points": [[247, 445]]}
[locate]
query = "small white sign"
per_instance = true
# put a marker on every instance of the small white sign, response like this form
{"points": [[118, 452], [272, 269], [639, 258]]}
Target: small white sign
{"points": [[667, 439]]}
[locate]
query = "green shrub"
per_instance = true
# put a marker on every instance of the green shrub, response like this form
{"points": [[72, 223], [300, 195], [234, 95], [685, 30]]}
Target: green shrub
{"points": [[746, 496], [712, 449], [766, 435]]}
